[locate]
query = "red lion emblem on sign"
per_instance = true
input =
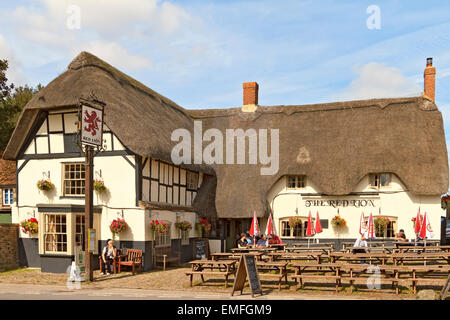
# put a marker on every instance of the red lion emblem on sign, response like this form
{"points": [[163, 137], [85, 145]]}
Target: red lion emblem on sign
{"points": [[92, 120]]}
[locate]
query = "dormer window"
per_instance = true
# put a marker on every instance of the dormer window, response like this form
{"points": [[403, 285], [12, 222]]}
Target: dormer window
{"points": [[378, 180], [296, 182]]}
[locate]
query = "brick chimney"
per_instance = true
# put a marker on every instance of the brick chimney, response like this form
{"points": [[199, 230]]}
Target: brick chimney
{"points": [[429, 77], [250, 97]]}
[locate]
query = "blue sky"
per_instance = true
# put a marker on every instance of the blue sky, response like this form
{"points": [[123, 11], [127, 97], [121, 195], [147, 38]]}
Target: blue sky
{"points": [[198, 53]]}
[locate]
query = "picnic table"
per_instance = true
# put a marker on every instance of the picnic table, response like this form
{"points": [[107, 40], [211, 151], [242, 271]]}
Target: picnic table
{"points": [[280, 266], [313, 244], [234, 255], [409, 248], [252, 250], [278, 246], [303, 271], [417, 243], [277, 256], [421, 256], [379, 249], [212, 267], [380, 257], [325, 250]]}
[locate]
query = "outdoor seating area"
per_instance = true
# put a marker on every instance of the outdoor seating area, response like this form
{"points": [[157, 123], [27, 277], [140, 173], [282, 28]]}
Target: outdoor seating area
{"points": [[337, 269]]}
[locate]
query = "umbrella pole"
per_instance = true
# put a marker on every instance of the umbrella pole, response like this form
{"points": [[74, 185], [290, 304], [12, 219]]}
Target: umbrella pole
{"points": [[425, 250]]}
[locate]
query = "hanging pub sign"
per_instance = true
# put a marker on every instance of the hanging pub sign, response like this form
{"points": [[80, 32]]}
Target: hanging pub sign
{"points": [[91, 125]]}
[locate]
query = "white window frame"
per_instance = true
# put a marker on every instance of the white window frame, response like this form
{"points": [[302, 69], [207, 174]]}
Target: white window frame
{"points": [[8, 196], [81, 179], [292, 231], [394, 222], [46, 233]]}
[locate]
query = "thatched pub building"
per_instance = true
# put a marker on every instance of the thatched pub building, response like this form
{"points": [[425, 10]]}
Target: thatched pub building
{"points": [[387, 157]]}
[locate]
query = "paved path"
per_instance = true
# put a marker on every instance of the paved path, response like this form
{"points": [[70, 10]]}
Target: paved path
{"points": [[53, 292]]}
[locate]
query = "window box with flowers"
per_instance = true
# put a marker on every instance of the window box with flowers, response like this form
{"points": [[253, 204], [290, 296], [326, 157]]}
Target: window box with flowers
{"points": [[117, 226], [99, 186], [30, 226], [45, 185]]}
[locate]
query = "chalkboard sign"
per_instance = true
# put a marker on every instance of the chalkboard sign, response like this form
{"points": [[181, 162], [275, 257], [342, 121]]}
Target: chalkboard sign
{"points": [[201, 249], [247, 267]]}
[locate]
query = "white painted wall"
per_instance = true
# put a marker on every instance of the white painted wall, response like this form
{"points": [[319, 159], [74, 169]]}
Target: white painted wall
{"points": [[393, 200]]}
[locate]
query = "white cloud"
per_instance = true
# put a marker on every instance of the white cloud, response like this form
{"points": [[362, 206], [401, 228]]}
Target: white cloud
{"points": [[376, 80], [14, 72], [114, 54]]}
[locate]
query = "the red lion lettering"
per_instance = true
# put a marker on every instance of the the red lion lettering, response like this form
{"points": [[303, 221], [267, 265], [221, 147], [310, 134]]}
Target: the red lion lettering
{"points": [[92, 121]]}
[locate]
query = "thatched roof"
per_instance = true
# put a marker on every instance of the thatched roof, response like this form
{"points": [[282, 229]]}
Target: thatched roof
{"points": [[335, 145], [339, 144], [140, 117]]}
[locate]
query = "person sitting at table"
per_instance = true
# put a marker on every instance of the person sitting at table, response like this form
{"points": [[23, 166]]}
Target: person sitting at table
{"points": [[248, 238], [400, 236], [242, 242], [263, 242], [359, 246]]}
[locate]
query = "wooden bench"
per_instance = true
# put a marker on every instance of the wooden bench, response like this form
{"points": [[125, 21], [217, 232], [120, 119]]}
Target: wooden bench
{"points": [[281, 267], [165, 255], [212, 267], [115, 261], [132, 258]]}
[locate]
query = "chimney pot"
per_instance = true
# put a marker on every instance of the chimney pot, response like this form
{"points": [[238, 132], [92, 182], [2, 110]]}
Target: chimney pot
{"points": [[250, 96], [429, 79]]}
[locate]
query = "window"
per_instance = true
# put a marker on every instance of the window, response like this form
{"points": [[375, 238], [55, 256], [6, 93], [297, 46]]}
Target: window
{"points": [[55, 233], [389, 231], [378, 180], [74, 175], [296, 182], [296, 232], [185, 237], [191, 180], [163, 240], [8, 196], [79, 230]]}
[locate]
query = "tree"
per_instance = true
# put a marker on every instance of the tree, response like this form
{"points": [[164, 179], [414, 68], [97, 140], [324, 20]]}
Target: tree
{"points": [[12, 102], [5, 90]]}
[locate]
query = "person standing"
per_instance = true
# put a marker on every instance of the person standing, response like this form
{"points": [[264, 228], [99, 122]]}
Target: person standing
{"points": [[109, 253]]}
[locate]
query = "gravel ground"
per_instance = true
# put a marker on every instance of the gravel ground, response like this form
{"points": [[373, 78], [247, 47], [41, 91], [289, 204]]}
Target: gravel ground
{"points": [[175, 278]]}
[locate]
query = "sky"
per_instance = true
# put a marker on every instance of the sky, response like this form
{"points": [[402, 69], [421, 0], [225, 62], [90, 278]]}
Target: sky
{"points": [[199, 52]]}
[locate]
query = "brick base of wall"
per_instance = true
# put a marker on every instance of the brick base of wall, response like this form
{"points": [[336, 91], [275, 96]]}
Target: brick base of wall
{"points": [[9, 256]]}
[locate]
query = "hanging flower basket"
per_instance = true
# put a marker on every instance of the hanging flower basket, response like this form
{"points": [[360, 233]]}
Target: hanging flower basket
{"points": [[45, 185], [206, 226], [117, 226], [29, 226], [183, 225], [158, 226], [99, 186], [294, 221], [337, 221]]}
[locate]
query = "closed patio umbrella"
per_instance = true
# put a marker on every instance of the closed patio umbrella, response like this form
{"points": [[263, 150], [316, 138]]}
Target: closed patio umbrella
{"points": [[309, 228], [270, 228], [254, 229], [362, 224], [370, 228]]}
